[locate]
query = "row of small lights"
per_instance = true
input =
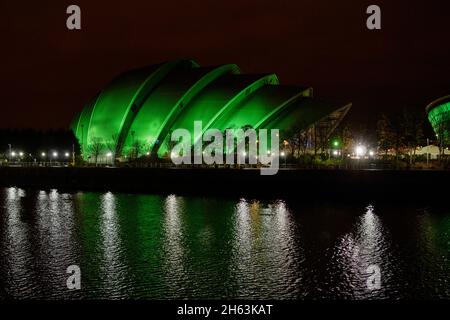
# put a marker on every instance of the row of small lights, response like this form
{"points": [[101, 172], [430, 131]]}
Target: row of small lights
{"points": [[43, 154], [360, 150]]}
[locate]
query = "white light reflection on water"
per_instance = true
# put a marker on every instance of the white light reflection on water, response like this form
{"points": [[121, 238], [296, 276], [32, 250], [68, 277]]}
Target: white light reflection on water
{"points": [[367, 245], [16, 250], [265, 251], [55, 226], [113, 269], [173, 244]]}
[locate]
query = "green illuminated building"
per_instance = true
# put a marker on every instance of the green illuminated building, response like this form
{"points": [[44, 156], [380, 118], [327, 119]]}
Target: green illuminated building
{"points": [[137, 111], [439, 115]]}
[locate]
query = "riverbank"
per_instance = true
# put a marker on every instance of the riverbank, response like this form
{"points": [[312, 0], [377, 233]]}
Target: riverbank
{"points": [[236, 182]]}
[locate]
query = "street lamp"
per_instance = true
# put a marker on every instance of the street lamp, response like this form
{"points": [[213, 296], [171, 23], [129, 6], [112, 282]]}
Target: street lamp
{"points": [[55, 154], [360, 150], [283, 154], [108, 156], [66, 154]]}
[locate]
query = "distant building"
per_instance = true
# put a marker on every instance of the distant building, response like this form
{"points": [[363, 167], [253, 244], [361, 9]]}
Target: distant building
{"points": [[438, 113], [143, 106]]}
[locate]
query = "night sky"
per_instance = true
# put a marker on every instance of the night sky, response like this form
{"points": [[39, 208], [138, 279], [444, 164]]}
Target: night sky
{"points": [[48, 72]]}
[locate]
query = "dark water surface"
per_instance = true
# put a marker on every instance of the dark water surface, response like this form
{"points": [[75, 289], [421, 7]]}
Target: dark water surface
{"points": [[164, 247]]}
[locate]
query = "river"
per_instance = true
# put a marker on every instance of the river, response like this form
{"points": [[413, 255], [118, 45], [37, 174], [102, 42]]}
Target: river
{"points": [[140, 246]]}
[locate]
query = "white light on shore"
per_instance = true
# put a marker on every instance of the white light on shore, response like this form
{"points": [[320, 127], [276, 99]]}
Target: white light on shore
{"points": [[360, 150]]}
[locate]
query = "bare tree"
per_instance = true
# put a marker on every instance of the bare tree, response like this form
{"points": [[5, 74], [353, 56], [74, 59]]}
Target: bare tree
{"points": [[95, 148], [385, 134], [137, 149], [412, 132]]}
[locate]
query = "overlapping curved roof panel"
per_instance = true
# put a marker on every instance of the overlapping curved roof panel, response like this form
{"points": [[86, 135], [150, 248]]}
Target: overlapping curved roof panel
{"points": [[143, 106]]}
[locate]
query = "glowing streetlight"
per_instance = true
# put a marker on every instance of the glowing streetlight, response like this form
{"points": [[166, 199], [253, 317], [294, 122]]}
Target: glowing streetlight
{"points": [[360, 150], [335, 153], [43, 154], [21, 154], [109, 154], [13, 154], [371, 153], [282, 153], [55, 154], [66, 154]]}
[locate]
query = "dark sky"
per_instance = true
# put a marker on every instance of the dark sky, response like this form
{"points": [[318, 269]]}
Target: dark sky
{"points": [[48, 72]]}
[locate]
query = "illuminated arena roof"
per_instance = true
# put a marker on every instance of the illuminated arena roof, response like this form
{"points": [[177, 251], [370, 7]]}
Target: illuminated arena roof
{"points": [[146, 104], [439, 115]]}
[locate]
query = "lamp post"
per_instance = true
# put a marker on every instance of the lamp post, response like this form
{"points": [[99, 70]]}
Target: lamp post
{"points": [[55, 156], [73, 155], [82, 141]]}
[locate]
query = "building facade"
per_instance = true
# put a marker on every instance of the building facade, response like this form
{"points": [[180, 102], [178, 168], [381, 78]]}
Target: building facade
{"points": [[137, 111]]}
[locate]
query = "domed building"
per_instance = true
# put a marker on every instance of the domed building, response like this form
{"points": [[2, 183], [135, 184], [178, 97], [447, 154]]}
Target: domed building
{"points": [[438, 113], [137, 111]]}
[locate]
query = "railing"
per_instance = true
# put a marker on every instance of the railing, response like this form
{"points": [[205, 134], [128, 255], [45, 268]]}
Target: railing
{"points": [[36, 164], [350, 165]]}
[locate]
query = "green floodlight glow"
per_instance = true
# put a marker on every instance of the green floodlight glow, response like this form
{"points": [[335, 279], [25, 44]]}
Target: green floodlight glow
{"points": [[137, 111], [439, 117], [335, 143]]}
